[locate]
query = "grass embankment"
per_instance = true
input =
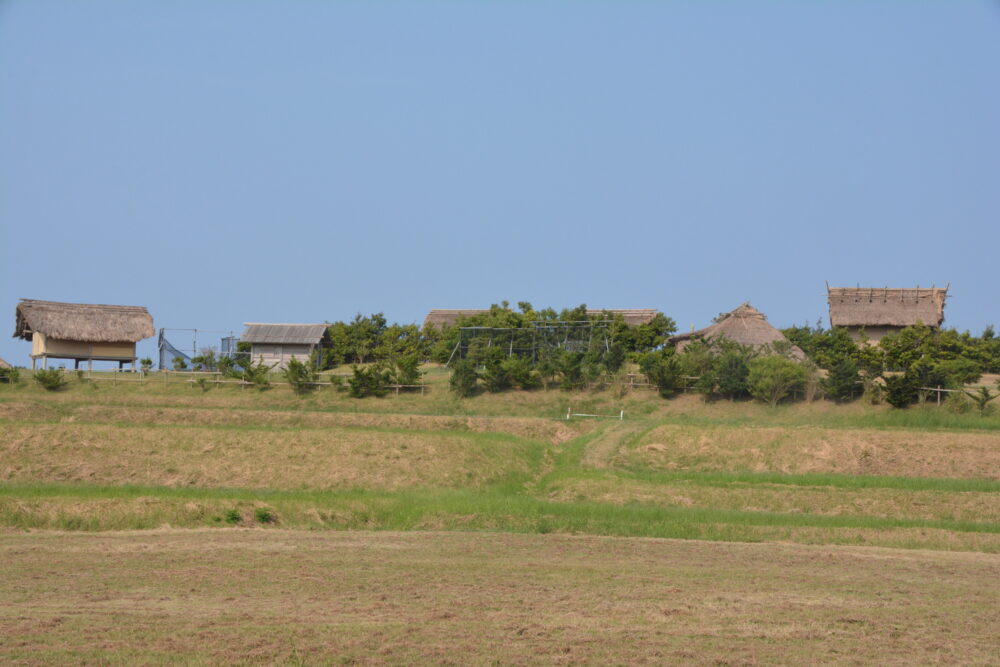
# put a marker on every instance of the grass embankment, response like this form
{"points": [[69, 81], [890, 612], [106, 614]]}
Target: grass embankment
{"points": [[239, 596], [145, 456]]}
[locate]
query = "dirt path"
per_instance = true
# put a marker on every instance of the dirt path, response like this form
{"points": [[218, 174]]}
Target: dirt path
{"points": [[602, 449]]}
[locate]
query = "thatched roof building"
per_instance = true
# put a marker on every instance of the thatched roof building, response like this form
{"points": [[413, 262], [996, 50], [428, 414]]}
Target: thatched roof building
{"points": [[881, 310], [276, 344], [746, 325], [81, 331], [4, 364], [633, 316]]}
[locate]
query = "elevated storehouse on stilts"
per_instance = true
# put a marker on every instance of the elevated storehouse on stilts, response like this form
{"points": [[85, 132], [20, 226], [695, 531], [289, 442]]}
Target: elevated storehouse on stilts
{"points": [[82, 331]]}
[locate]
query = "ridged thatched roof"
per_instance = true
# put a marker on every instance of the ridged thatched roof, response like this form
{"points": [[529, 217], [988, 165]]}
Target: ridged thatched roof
{"points": [[747, 326], [4, 364], [633, 316], [442, 317], [291, 334], [886, 306], [89, 323]]}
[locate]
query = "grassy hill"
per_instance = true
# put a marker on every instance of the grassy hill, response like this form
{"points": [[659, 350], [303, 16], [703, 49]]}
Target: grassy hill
{"points": [[103, 455]]}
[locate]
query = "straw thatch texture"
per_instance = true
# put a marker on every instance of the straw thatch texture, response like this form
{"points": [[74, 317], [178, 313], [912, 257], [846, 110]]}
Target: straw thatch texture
{"points": [[746, 325], [443, 317], [885, 306], [89, 323], [633, 316], [283, 334], [4, 364]]}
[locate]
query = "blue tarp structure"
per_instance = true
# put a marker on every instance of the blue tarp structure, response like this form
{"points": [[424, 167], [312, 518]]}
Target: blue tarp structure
{"points": [[169, 352]]}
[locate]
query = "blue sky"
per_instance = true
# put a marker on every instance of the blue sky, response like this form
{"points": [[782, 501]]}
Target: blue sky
{"points": [[224, 162]]}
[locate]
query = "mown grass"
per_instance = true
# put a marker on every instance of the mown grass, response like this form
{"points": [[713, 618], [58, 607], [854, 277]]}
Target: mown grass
{"points": [[233, 596]]}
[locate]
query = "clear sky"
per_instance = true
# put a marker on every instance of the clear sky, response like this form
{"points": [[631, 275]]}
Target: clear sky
{"points": [[224, 162]]}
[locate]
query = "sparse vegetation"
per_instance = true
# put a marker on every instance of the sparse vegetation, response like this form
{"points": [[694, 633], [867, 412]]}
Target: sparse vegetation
{"points": [[982, 397]]}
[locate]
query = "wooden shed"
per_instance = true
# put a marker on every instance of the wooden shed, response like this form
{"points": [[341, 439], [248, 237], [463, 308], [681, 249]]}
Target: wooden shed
{"points": [[745, 325], [878, 311], [276, 344], [441, 317], [82, 331]]}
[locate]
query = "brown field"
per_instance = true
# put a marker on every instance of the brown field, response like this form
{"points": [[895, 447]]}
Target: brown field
{"points": [[805, 449], [259, 458], [455, 598], [505, 505]]}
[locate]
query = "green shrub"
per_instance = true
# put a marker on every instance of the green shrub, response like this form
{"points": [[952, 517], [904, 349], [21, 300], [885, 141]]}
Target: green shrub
{"points": [[958, 372], [615, 358], [464, 378], [958, 403], [257, 374], [180, 364], [52, 379], [233, 516], [900, 391], [265, 515], [570, 367], [982, 397], [203, 384], [495, 376], [664, 370], [10, 375], [146, 364], [369, 381], [406, 370], [772, 378], [227, 367], [206, 361], [300, 377], [843, 383], [521, 373]]}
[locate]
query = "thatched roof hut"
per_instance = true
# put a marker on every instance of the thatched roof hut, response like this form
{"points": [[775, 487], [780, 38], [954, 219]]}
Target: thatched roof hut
{"points": [[746, 325], [445, 317], [92, 323], [441, 317], [81, 331], [880, 310], [4, 364]]}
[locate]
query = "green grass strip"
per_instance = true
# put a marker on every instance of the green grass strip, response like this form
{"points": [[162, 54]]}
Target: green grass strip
{"points": [[722, 478], [408, 509]]}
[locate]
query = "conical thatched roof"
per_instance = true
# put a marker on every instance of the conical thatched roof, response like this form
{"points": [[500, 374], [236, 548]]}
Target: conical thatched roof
{"points": [[886, 306], [91, 323], [747, 326]]}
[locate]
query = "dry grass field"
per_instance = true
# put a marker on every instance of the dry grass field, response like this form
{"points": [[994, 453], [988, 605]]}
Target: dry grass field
{"points": [[164, 523], [255, 596]]}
